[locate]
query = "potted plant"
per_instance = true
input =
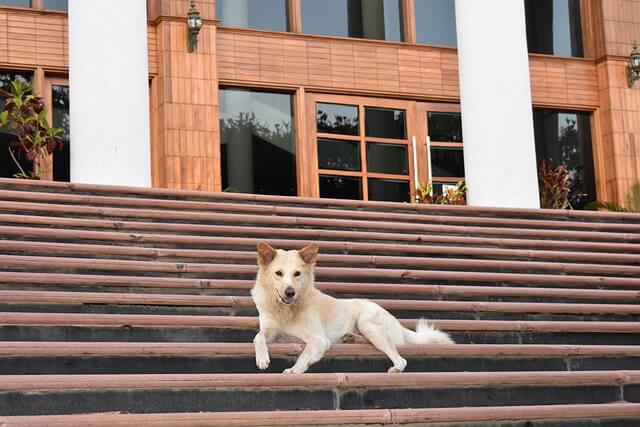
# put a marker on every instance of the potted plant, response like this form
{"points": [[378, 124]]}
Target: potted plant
{"points": [[452, 196], [25, 116], [554, 186]]}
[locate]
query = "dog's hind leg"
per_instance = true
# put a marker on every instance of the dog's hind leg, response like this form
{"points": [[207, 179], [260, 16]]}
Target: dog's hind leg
{"points": [[380, 340], [315, 347]]}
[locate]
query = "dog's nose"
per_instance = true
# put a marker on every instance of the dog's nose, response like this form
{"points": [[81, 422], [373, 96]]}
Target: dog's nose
{"points": [[289, 292]]}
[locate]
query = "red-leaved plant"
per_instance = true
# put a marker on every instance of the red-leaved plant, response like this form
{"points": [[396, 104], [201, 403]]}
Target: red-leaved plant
{"points": [[554, 186], [26, 118], [453, 196]]}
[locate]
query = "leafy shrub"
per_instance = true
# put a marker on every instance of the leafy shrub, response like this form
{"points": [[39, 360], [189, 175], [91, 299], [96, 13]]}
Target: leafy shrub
{"points": [[25, 116], [453, 196], [554, 186]]}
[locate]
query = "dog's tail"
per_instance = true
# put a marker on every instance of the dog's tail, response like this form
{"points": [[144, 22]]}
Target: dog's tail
{"points": [[426, 334]]}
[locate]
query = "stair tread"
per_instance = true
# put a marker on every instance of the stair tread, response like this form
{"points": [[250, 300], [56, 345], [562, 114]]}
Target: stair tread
{"points": [[93, 349], [70, 298]]}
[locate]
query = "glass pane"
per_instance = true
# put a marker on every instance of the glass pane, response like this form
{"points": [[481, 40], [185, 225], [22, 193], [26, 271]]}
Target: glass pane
{"points": [[340, 187], [387, 158], [257, 143], [389, 190], [447, 162], [442, 187], [553, 27], [436, 22], [56, 4], [369, 19], [7, 167], [445, 127], [60, 115], [564, 137], [385, 123], [339, 155], [261, 14], [20, 3], [336, 118]]}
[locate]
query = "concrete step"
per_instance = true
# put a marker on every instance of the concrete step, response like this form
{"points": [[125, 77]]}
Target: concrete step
{"points": [[162, 285], [197, 247], [38, 358], [398, 224], [86, 250], [199, 234], [142, 303], [593, 415], [153, 393], [327, 204], [227, 271], [149, 327]]}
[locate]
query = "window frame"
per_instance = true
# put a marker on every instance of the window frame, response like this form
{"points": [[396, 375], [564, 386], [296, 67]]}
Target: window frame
{"points": [[362, 102]]}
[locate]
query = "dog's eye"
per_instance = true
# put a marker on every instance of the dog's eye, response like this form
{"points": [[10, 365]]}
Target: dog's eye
{"points": [[297, 273], [279, 273]]}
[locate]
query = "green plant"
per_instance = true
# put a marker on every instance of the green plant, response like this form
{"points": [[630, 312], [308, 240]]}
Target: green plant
{"points": [[632, 202], [554, 186], [25, 116], [452, 196]]}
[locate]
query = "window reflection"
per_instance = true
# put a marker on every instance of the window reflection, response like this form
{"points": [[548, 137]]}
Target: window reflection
{"points": [[554, 27], [436, 22], [387, 158], [337, 118], [60, 116], [385, 123], [257, 143], [389, 190], [445, 127], [369, 19], [338, 155], [564, 137], [19, 3], [55, 4], [340, 187], [260, 14]]}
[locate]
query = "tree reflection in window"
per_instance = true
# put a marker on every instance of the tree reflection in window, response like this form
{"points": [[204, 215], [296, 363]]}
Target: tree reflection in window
{"points": [[338, 119]]}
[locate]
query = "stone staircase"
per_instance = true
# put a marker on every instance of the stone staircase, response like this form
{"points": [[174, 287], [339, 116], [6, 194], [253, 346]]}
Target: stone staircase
{"points": [[127, 306]]}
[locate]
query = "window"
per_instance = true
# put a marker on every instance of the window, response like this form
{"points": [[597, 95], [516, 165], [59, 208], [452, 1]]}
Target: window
{"points": [[363, 161], [60, 119], [369, 19], [257, 142], [446, 153], [55, 4], [436, 22], [7, 166], [553, 27], [564, 137], [260, 14], [18, 3]]}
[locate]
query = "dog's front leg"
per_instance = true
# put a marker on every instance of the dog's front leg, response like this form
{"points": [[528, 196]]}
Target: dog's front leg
{"points": [[262, 351], [315, 347]]}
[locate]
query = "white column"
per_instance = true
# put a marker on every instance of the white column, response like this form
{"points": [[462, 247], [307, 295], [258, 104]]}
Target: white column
{"points": [[495, 91], [109, 92]]}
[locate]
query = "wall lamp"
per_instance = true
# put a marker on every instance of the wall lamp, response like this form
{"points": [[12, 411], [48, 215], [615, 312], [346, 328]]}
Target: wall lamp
{"points": [[194, 24], [633, 67]]}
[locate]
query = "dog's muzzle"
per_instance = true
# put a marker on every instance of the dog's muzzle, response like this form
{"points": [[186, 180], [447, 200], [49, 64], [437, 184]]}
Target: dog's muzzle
{"points": [[289, 295]]}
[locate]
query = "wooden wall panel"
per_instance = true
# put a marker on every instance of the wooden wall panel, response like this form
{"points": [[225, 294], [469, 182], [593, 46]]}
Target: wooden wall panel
{"points": [[185, 103], [348, 65], [258, 58], [38, 39]]}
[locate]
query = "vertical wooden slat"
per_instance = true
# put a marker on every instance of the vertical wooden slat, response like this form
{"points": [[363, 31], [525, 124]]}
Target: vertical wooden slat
{"points": [[294, 12], [408, 12]]}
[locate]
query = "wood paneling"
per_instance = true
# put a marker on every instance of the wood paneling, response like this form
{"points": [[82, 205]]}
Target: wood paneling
{"points": [[185, 106], [382, 68], [33, 38]]}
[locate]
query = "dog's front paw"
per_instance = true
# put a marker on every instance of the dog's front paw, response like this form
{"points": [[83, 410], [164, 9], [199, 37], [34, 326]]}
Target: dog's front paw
{"points": [[292, 370], [398, 368], [262, 361]]}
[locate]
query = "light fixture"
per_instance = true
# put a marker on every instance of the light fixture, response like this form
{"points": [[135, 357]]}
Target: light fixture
{"points": [[194, 24], [633, 68]]}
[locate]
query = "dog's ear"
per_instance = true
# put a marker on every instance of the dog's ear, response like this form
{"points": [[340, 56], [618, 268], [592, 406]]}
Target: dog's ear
{"points": [[309, 253], [266, 254]]}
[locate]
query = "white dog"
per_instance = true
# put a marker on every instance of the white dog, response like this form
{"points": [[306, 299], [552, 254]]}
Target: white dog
{"points": [[289, 305]]}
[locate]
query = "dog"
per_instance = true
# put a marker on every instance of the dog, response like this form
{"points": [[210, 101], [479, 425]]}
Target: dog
{"points": [[290, 306]]}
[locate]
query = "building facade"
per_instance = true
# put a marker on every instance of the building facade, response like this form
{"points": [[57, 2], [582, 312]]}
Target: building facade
{"points": [[362, 99]]}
